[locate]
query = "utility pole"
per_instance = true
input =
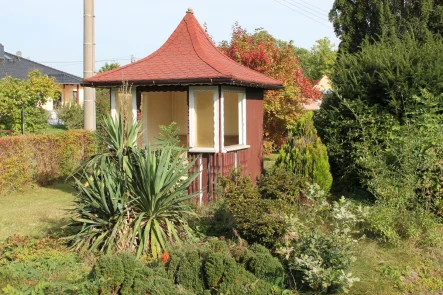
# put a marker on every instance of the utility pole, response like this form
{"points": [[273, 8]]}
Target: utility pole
{"points": [[89, 64]]}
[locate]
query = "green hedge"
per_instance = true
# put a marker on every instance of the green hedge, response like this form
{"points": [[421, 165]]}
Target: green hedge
{"points": [[42, 158]]}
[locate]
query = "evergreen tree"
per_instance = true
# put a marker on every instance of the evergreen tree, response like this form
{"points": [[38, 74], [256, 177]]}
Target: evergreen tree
{"points": [[356, 20], [305, 155]]}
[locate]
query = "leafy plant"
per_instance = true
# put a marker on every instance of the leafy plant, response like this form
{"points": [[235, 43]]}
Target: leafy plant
{"points": [[131, 198], [71, 116], [282, 184], [264, 53], [159, 187], [320, 262], [30, 94], [42, 158]]}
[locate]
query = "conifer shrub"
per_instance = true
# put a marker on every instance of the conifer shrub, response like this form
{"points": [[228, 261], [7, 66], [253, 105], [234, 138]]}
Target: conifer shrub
{"points": [[215, 267], [260, 220], [110, 274], [282, 184], [254, 218], [185, 268], [124, 274], [266, 267], [305, 155], [375, 89]]}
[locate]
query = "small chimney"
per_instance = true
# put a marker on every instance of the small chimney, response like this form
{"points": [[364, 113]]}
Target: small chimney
{"points": [[2, 52]]}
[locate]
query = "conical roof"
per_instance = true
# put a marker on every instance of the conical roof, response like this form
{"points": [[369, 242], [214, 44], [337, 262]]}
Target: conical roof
{"points": [[188, 57]]}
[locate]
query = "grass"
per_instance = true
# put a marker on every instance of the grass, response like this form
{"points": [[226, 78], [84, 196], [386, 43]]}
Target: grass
{"points": [[404, 269], [37, 212], [50, 129]]}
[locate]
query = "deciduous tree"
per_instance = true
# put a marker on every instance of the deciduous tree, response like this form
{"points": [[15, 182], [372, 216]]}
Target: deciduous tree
{"points": [[318, 61], [264, 53], [32, 94]]}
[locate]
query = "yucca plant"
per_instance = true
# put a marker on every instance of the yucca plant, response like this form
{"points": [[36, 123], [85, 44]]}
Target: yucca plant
{"points": [[160, 188], [120, 138], [101, 212], [131, 198]]}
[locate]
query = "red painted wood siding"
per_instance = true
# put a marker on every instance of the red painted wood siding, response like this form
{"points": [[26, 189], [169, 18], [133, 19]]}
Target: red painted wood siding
{"points": [[212, 165], [254, 132]]}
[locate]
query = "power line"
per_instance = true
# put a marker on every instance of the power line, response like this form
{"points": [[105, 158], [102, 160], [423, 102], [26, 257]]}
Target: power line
{"points": [[321, 10], [316, 14], [319, 22], [80, 61]]}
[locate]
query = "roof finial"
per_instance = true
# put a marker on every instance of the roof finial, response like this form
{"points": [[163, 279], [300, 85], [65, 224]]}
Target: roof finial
{"points": [[190, 10]]}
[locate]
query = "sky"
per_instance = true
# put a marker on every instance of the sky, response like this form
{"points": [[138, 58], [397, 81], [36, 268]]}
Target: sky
{"points": [[51, 31]]}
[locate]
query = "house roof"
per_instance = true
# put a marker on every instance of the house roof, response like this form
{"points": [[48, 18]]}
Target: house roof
{"points": [[19, 67], [188, 57]]}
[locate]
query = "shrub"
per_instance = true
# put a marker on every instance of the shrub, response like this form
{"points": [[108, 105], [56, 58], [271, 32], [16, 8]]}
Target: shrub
{"points": [[212, 268], [71, 116], [30, 266], [111, 274], [391, 221], [185, 268], [266, 267], [131, 198], [305, 155], [260, 221], [236, 186], [320, 261], [255, 219], [124, 274], [375, 89], [282, 184], [42, 158]]}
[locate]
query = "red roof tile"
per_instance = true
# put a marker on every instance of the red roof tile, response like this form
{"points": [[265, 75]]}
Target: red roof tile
{"points": [[187, 57]]}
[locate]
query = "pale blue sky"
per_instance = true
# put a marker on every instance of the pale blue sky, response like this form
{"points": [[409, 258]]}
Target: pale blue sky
{"points": [[51, 31]]}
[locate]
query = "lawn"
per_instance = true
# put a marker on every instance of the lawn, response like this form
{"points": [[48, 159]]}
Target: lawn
{"points": [[36, 212], [50, 129]]}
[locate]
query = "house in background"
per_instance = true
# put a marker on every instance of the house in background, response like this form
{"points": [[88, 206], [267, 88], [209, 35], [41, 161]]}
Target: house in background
{"points": [[216, 102], [324, 86], [16, 66]]}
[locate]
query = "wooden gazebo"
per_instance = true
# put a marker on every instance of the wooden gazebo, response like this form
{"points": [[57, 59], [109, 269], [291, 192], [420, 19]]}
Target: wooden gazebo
{"points": [[216, 102]]}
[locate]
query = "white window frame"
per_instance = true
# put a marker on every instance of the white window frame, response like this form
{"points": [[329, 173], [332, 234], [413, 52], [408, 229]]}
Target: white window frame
{"points": [[242, 139], [192, 91]]}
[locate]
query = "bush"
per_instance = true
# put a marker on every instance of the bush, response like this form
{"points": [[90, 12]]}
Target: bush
{"points": [[282, 184], [259, 220], [390, 222], [255, 219], [124, 274], [375, 89], [305, 155], [30, 266], [71, 116], [132, 199], [215, 268], [42, 158], [236, 186], [320, 261]]}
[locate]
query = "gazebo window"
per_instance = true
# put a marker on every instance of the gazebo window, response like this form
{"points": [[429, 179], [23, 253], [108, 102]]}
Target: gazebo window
{"points": [[163, 108], [234, 117], [203, 118]]}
